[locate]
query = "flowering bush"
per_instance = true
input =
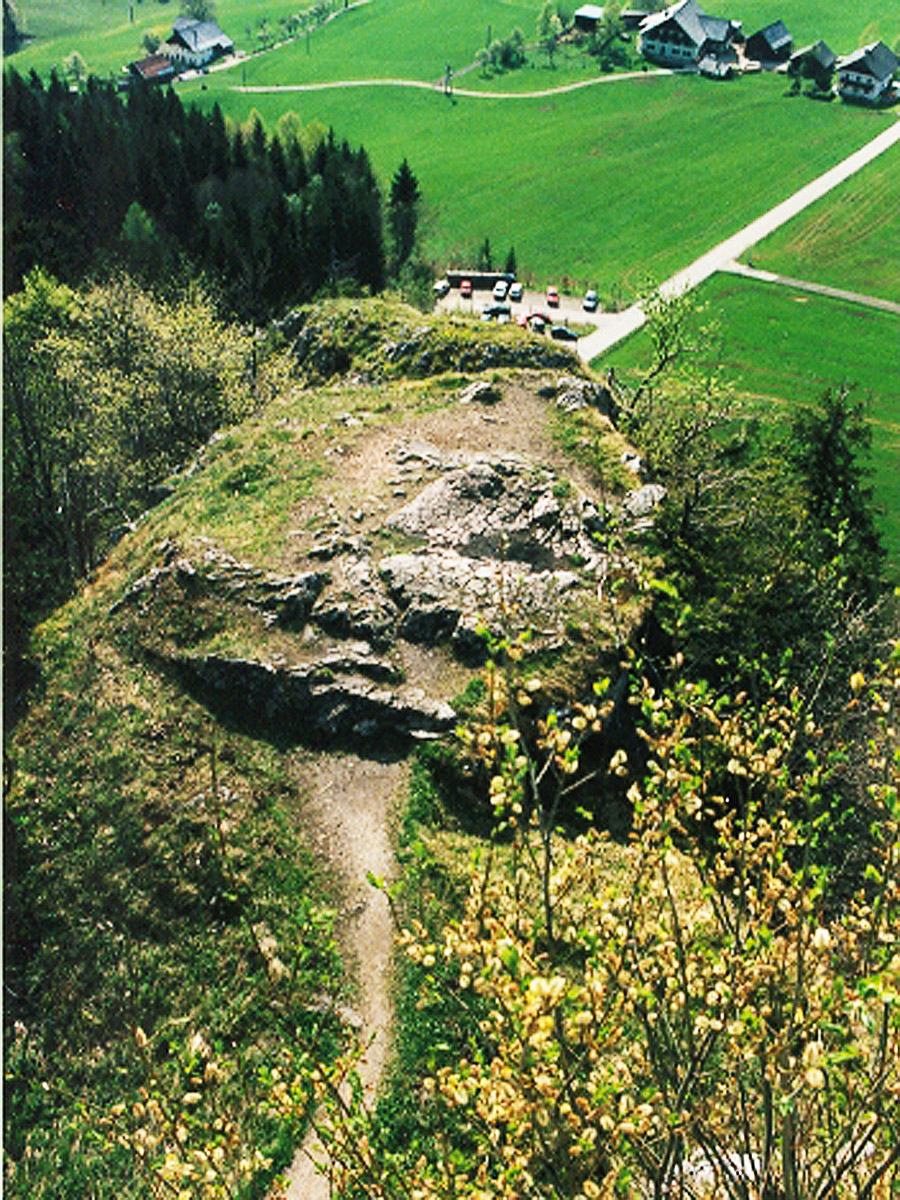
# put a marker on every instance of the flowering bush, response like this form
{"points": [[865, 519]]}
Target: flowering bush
{"points": [[700, 1022]]}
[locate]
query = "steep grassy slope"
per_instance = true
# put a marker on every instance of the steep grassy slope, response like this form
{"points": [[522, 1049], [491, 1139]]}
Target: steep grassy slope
{"points": [[416, 38], [167, 913]]}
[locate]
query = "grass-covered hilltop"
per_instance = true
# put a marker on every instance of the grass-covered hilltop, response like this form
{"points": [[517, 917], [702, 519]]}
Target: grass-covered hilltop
{"points": [[451, 742]]}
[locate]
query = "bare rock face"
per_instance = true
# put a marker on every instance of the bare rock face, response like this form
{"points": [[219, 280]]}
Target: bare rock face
{"points": [[482, 535], [334, 700]]}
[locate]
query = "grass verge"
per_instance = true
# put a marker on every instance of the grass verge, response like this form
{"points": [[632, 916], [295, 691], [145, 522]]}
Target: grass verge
{"points": [[780, 347], [848, 239]]}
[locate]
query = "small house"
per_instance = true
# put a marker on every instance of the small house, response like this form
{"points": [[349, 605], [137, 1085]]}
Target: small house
{"points": [[632, 17], [588, 17], [814, 62], [156, 68], [719, 66], [772, 44], [683, 34], [867, 75], [195, 43]]}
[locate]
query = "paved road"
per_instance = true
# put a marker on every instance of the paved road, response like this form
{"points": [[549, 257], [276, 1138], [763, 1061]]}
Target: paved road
{"points": [[805, 285], [614, 327]]}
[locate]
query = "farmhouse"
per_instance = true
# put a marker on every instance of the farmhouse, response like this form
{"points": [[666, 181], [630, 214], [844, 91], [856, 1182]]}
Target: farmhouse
{"points": [[156, 68], [683, 36], [196, 43], [867, 75], [814, 62], [588, 17], [771, 45]]}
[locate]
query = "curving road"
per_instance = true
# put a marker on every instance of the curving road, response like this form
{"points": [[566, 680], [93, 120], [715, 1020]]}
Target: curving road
{"points": [[423, 85]]}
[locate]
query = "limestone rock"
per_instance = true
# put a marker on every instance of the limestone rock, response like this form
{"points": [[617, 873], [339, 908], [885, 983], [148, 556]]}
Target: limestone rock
{"points": [[312, 704], [480, 392]]}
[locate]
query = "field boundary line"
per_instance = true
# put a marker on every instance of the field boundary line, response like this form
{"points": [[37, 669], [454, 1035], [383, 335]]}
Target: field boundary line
{"points": [[807, 285], [619, 325]]}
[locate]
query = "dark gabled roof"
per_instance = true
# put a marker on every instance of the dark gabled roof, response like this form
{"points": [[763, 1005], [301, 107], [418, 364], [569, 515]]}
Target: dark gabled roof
{"points": [[820, 52], [685, 13], [875, 59], [691, 18], [776, 36], [717, 29], [201, 35]]}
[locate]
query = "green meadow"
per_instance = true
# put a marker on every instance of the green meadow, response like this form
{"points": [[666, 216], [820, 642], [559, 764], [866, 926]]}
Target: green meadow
{"points": [[849, 239], [601, 187], [780, 347]]}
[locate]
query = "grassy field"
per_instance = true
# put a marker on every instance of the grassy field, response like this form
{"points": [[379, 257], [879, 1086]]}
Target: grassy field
{"points": [[602, 186], [781, 347], [849, 239], [414, 38]]}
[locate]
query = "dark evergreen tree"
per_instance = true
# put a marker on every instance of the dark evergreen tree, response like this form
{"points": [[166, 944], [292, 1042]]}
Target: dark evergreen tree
{"points": [[77, 164], [12, 30], [403, 214], [830, 445]]}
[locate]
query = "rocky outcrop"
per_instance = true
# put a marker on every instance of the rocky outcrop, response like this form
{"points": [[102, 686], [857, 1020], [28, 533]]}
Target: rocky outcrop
{"points": [[285, 601], [335, 700], [340, 339], [488, 542]]}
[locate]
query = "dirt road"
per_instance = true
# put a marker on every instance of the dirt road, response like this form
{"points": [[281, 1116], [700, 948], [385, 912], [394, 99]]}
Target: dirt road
{"points": [[424, 85]]}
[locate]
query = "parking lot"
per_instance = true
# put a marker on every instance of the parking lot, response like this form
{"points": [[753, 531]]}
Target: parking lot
{"points": [[569, 311]]}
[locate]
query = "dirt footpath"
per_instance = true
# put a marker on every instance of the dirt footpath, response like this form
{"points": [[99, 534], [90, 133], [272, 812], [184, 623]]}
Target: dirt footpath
{"points": [[348, 817]]}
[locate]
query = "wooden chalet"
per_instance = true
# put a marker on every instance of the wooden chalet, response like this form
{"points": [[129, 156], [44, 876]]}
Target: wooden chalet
{"points": [[588, 17], [814, 62], [683, 35], [867, 75], [195, 43]]}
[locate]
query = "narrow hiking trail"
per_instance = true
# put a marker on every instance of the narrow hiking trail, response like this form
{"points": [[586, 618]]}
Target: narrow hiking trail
{"points": [[348, 815]]}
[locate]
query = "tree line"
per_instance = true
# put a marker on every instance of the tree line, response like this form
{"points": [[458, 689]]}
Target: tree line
{"points": [[92, 179]]}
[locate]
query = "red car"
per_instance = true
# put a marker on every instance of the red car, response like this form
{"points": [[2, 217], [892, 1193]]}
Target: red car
{"points": [[553, 297], [465, 288]]}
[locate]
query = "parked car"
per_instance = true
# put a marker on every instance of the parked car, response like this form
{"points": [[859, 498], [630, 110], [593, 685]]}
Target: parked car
{"points": [[562, 333], [441, 288], [501, 287], [465, 288], [591, 301], [515, 292], [500, 311], [537, 324], [553, 296]]}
